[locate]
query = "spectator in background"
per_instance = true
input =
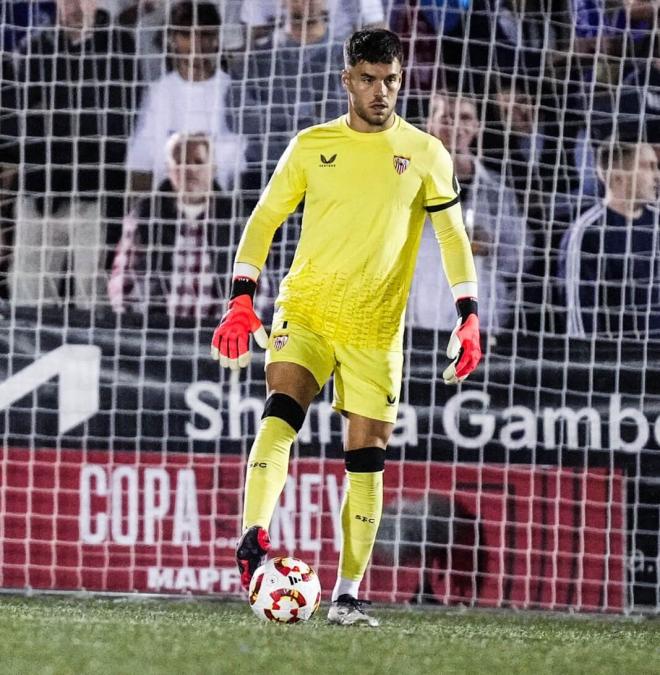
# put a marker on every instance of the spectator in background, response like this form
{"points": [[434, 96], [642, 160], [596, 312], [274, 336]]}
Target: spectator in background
{"points": [[79, 98], [20, 20], [433, 33], [293, 80], [490, 211], [343, 17], [9, 109], [631, 111], [177, 246], [610, 266], [534, 146], [525, 37], [458, 44], [611, 34], [148, 20], [9, 157], [193, 98]]}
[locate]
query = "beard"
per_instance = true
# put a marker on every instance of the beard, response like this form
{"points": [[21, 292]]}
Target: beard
{"points": [[372, 118]]}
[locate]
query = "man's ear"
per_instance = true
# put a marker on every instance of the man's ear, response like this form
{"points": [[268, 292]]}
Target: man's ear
{"points": [[345, 77]]}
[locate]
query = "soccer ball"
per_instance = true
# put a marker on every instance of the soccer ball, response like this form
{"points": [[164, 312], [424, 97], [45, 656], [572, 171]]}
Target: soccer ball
{"points": [[285, 590]]}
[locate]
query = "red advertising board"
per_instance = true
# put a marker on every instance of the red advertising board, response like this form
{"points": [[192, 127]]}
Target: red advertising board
{"points": [[488, 535]]}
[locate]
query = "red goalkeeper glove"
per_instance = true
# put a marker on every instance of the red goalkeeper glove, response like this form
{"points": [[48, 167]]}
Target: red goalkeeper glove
{"points": [[231, 339], [464, 348]]}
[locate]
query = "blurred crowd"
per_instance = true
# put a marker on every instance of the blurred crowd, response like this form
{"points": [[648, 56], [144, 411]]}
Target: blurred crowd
{"points": [[136, 136]]}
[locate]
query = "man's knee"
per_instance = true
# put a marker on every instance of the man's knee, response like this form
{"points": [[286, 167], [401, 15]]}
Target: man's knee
{"points": [[365, 460], [364, 432], [286, 408]]}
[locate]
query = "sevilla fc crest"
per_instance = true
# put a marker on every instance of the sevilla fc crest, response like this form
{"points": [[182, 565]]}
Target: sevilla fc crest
{"points": [[400, 164], [280, 341]]}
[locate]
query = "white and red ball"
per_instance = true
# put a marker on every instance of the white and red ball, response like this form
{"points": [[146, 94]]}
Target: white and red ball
{"points": [[285, 590]]}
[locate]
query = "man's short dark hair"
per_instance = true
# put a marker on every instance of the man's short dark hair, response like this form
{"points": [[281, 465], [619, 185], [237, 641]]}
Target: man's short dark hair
{"points": [[373, 45], [187, 15]]}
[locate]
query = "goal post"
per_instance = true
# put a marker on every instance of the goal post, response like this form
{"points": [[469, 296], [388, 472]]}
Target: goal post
{"points": [[535, 484]]}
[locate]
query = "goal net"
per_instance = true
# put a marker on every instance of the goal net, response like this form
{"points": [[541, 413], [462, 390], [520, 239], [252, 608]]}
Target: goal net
{"points": [[534, 484]]}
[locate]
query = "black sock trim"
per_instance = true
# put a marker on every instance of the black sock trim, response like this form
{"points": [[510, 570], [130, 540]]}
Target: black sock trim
{"points": [[286, 408], [365, 460]]}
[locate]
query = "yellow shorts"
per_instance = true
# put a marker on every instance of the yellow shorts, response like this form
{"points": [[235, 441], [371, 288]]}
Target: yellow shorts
{"points": [[367, 382]]}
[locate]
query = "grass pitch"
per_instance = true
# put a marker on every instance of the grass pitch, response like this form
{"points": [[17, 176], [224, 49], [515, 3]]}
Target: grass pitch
{"points": [[54, 635]]}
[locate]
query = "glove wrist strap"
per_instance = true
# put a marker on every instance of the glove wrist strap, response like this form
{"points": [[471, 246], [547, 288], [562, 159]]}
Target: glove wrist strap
{"points": [[243, 286], [465, 307]]}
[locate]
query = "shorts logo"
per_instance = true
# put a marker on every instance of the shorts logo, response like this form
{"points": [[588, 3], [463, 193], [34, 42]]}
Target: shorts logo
{"points": [[280, 341], [391, 400], [401, 164]]}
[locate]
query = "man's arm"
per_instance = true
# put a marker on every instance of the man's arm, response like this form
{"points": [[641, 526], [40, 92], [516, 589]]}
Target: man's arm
{"points": [[442, 202], [464, 348], [280, 198], [283, 193], [456, 251]]}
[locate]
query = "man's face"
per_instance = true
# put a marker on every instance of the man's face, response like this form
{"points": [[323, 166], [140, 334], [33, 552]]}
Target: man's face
{"points": [[518, 108], [195, 52], [300, 11], [636, 179], [644, 177], [76, 14], [454, 121], [372, 90], [191, 168], [305, 19]]}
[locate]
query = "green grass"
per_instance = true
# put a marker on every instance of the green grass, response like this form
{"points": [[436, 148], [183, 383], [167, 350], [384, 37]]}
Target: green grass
{"points": [[54, 635]]}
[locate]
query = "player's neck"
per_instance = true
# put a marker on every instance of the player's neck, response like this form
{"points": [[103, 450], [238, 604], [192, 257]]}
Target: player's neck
{"points": [[357, 123]]}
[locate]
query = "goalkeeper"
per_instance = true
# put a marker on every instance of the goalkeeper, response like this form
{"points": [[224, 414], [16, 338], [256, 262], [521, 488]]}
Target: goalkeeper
{"points": [[368, 178]]}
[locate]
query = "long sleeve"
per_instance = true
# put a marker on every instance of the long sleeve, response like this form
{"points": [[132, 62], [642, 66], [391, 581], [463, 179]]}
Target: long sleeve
{"points": [[281, 196], [455, 250], [442, 201]]}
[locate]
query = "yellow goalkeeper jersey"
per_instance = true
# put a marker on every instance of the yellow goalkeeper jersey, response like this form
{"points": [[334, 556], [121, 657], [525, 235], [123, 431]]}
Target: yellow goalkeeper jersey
{"points": [[366, 198]]}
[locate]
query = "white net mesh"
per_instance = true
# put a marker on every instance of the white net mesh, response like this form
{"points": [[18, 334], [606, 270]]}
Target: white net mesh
{"points": [[535, 484]]}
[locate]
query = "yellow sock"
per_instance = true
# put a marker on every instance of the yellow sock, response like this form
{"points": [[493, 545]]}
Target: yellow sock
{"points": [[360, 517], [268, 466]]}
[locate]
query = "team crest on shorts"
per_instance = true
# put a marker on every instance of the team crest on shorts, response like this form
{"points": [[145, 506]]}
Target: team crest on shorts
{"points": [[280, 341], [401, 164]]}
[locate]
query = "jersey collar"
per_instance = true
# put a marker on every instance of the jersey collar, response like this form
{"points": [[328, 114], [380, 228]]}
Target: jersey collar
{"points": [[364, 136]]}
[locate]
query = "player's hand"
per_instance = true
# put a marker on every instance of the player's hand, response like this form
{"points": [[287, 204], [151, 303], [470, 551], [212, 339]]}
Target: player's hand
{"points": [[464, 348], [231, 339]]}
